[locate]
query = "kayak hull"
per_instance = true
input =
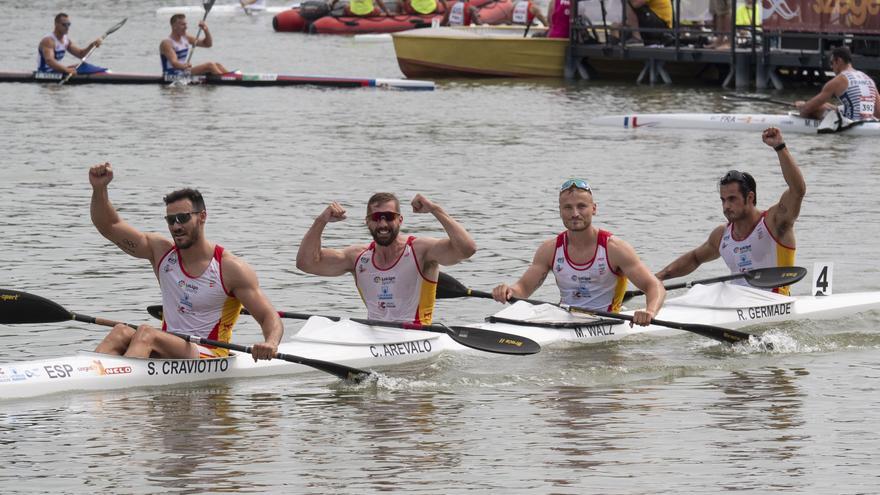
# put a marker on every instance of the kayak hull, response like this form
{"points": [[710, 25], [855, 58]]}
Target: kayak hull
{"points": [[232, 79], [703, 304], [344, 342], [726, 122]]}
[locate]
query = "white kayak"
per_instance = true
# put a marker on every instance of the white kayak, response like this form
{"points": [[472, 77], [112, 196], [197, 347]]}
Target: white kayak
{"points": [[727, 122], [344, 342], [231, 9], [724, 305]]}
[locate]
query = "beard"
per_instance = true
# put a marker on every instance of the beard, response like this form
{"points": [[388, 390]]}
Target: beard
{"points": [[385, 239], [188, 241]]}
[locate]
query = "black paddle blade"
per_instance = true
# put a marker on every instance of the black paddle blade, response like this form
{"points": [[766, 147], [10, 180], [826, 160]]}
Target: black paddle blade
{"points": [[21, 307], [768, 278], [450, 288], [492, 341], [718, 333], [155, 311]]}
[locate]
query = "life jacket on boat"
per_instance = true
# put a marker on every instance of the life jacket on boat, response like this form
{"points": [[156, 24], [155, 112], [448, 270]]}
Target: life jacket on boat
{"points": [[759, 249], [197, 304], [362, 8], [420, 7], [400, 292], [591, 285]]}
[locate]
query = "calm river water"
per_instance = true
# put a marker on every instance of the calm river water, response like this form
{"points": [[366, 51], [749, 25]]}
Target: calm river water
{"points": [[675, 415]]}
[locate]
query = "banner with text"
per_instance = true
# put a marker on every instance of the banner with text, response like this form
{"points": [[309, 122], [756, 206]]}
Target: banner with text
{"points": [[828, 16]]}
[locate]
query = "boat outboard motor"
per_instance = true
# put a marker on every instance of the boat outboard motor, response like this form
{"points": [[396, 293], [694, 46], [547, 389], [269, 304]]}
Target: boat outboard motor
{"points": [[312, 10]]}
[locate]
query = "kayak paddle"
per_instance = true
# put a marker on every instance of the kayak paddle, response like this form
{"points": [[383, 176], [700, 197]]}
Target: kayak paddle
{"points": [[450, 287], [22, 307], [208, 5], [765, 99], [763, 278], [475, 338], [83, 60]]}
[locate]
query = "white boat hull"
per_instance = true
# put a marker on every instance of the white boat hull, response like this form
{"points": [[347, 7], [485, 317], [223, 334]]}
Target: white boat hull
{"points": [[724, 305], [727, 122], [343, 342], [232, 9]]}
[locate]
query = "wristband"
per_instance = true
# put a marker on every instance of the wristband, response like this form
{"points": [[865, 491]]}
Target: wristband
{"points": [[779, 147]]}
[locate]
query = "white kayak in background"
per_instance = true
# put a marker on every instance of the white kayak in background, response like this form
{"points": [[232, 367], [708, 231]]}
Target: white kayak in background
{"points": [[727, 122], [724, 305], [344, 342], [231, 9]]}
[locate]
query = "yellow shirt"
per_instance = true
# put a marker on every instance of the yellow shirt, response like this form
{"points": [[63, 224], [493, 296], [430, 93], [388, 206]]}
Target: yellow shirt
{"points": [[744, 16], [663, 9]]}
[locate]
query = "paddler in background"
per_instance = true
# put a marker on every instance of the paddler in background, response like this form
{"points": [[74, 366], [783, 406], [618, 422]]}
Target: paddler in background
{"points": [[856, 91], [591, 266], [752, 238], [203, 286], [396, 276], [174, 50], [55, 44], [363, 8], [253, 5]]}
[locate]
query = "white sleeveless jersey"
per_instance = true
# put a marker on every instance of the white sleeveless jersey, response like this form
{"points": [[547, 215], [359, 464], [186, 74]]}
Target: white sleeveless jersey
{"points": [[398, 293], [758, 250], [198, 305], [592, 285], [860, 96], [181, 49], [457, 14], [60, 49], [520, 13]]}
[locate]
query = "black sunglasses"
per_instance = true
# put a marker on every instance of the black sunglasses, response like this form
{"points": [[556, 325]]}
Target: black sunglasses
{"points": [[180, 218], [737, 176]]}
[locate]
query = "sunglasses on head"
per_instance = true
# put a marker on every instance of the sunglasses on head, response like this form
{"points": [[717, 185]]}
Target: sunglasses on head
{"points": [[737, 176], [180, 218], [578, 183], [388, 216]]}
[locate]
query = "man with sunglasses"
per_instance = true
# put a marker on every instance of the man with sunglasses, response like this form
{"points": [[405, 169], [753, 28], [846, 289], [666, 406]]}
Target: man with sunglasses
{"points": [[591, 266], [752, 238], [56, 44], [396, 276], [203, 286]]}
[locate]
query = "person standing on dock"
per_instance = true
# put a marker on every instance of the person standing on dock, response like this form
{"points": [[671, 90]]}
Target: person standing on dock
{"points": [[203, 286], [752, 238], [559, 19], [56, 44], [590, 265], [649, 14], [174, 50], [396, 276], [856, 91]]}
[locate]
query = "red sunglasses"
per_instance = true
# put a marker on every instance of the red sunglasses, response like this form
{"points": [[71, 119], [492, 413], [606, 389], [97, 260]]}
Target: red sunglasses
{"points": [[388, 216]]}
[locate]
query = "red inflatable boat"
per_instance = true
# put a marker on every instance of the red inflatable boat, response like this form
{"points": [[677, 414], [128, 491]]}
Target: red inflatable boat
{"points": [[314, 17]]}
